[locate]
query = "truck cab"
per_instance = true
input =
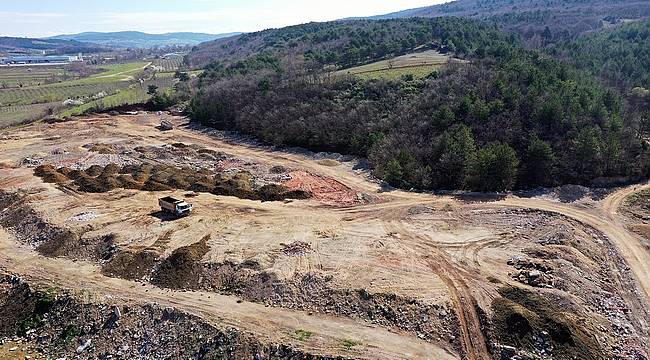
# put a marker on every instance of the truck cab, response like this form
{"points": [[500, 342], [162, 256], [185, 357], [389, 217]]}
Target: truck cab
{"points": [[175, 206]]}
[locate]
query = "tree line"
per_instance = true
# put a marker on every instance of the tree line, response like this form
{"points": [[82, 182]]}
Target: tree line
{"points": [[510, 118]]}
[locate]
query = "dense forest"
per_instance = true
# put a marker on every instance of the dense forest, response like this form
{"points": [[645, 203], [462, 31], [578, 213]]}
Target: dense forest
{"points": [[621, 56], [507, 118]]}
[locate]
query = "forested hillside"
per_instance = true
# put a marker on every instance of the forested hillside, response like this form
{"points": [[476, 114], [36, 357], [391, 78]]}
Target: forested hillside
{"points": [[507, 118], [348, 43], [539, 22], [621, 56], [52, 46]]}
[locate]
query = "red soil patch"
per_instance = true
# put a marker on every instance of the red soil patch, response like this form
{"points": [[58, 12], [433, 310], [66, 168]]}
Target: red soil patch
{"points": [[323, 189]]}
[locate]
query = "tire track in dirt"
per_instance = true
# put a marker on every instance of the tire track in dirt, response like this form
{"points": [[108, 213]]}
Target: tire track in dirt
{"points": [[474, 345], [473, 340]]}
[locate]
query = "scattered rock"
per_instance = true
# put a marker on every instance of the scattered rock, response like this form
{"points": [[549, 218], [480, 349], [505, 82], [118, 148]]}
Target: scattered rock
{"points": [[84, 346]]}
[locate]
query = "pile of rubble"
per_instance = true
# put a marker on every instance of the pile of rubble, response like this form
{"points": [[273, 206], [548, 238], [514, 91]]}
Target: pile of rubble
{"points": [[533, 273], [68, 328], [78, 160], [561, 235], [325, 189]]}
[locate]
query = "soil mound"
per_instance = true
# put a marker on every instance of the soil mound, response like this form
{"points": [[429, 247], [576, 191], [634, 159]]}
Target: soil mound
{"points": [[183, 268], [97, 179], [534, 324], [131, 265]]}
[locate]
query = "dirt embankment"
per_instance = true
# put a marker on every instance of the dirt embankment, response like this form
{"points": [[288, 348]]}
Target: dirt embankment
{"points": [[60, 325], [636, 209], [530, 321], [183, 269], [50, 240]]}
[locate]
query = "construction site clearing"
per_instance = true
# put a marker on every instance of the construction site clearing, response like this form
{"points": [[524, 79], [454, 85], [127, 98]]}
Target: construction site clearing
{"points": [[297, 255]]}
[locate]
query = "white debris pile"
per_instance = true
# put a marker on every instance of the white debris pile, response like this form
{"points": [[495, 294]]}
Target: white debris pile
{"points": [[102, 160], [99, 95], [84, 216]]}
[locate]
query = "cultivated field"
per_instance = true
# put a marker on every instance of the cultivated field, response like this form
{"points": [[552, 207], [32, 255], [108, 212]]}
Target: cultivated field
{"points": [[171, 64], [22, 76], [111, 85], [17, 114], [351, 270], [133, 94], [60, 92], [418, 64]]}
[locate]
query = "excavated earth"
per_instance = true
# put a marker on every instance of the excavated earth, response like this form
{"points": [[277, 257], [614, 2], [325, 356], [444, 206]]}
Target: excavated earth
{"points": [[289, 254]]}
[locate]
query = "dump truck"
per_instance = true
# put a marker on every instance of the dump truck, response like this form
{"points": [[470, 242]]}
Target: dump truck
{"points": [[175, 206]]}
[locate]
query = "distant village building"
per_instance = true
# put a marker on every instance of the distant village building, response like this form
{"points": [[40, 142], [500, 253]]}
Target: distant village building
{"points": [[39, 60]]}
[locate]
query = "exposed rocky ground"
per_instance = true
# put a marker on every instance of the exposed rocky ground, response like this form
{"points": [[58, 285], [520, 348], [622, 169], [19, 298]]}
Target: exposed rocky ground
{"points": [[354, 270], [55, 324]]}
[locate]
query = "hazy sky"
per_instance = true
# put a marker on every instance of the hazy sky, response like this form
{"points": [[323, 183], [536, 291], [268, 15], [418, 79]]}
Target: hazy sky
{"points": [[45, 17]]}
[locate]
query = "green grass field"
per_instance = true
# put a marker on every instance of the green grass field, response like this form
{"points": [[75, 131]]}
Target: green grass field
{"points": [[417, 64], [110, 73]]}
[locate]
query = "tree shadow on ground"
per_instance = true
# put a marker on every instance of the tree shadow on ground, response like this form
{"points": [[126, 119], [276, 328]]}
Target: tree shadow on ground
{"points": [[479, 197]]}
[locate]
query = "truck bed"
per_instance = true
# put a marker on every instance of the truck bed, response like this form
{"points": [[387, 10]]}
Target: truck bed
{"points": [[169, 200]]}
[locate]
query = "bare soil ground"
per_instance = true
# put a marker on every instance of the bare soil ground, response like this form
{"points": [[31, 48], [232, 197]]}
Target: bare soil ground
{"points": [[351, 271]]}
